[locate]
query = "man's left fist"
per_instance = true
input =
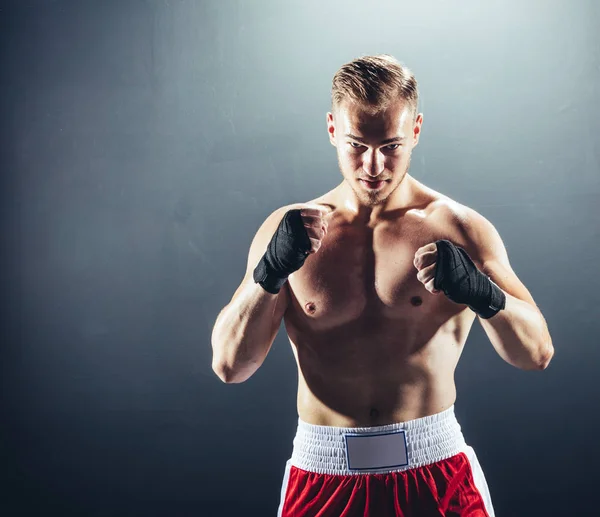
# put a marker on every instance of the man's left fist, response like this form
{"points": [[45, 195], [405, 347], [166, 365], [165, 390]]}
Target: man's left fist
{"points": [[442, 265], [425, 261]]}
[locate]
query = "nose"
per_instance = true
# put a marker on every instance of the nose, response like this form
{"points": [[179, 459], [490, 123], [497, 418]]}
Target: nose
{"points": [[373, 162]]}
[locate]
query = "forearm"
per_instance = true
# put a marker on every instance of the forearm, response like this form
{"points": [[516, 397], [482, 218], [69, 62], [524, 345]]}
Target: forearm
{"points": [[520, 335], [243, 334]]}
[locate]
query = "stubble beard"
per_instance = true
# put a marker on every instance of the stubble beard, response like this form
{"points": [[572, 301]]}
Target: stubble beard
{"points": [[375, 198]]}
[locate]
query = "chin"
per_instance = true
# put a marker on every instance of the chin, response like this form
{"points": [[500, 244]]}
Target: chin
{"points": [[372, 198]]}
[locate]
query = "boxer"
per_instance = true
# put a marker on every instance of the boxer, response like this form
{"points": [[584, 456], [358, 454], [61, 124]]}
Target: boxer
{"points": [[378, 282]]}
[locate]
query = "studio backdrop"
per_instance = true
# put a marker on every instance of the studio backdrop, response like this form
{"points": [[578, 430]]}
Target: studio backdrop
{"points": [[142, 145]]}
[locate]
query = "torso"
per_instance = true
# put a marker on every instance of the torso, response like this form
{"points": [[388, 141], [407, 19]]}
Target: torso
{"points": [[372, 345]]}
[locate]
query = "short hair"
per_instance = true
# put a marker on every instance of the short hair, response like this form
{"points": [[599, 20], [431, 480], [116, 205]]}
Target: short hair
{"points": [[375, 81]]}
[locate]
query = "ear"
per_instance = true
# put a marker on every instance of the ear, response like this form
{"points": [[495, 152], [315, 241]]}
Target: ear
{"points": [[417, 129], [331, 129]]}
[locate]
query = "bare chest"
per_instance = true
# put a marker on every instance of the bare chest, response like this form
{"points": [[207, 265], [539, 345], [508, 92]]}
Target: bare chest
{"points": [[366, 275]]}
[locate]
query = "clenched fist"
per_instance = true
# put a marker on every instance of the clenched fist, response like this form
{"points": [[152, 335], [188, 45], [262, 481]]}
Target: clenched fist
{"points": [[425, 261], [444, 266], [315, 220], [299, 234]]}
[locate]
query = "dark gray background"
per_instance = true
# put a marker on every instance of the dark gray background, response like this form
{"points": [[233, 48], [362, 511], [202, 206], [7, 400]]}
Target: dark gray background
{"points": [[143, 143]]}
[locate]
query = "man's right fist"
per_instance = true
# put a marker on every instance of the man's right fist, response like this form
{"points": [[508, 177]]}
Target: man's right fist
{"points": [[316, 223], [300, 233]]}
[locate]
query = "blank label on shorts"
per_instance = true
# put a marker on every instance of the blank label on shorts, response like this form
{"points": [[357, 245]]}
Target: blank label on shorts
{"points": [[376, 451]]}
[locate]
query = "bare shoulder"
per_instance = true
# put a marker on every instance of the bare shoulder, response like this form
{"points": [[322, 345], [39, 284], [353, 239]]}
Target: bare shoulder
{"points": [[467, 228], [274, 218], [473, 232]]}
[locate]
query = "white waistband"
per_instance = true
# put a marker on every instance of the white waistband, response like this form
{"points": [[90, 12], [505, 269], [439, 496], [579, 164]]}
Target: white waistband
{"points": [[325, 449]]}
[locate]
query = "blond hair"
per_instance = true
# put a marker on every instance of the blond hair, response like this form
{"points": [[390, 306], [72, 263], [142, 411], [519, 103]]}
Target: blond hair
{"points": [[374, 81]]}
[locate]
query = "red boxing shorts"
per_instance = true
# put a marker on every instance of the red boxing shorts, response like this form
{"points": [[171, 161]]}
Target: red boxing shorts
{"points": [[419, 468]]}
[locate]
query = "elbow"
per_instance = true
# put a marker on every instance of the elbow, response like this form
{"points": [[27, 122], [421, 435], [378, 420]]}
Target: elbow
{"points": [[539, 361], [545, 356], [222, 367], [224, 373], [534, 361], [231, 365], [230, 375]]}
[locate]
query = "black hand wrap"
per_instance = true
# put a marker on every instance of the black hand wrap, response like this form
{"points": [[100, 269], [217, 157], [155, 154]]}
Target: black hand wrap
{"points": [[462, 282], [285, 254]]}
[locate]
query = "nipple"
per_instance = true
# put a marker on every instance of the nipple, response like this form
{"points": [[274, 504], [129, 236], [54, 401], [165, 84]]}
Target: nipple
{"points": [[310, 307], [416, 301]]}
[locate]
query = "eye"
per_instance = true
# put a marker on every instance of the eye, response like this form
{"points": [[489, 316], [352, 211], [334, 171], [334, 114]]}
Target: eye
{"points": [[356, 145], [392, 147]]}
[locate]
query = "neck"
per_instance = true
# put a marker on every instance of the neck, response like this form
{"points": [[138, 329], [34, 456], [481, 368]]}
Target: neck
{"points": [[402, 198]]}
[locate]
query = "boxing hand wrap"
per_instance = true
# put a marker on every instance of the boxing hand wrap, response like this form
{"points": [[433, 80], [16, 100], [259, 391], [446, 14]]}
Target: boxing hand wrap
{"points": [[285, 254], [462, 282]]}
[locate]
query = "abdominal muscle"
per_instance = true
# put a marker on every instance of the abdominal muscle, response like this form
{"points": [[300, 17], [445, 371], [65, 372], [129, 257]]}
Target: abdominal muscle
{"points": [[346, 388]]}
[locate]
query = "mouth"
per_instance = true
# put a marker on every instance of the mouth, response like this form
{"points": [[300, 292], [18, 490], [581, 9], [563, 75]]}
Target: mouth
{"points": [[373, 185]]}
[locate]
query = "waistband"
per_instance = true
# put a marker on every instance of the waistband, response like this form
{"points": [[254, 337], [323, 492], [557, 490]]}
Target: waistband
{"points": [[380, 449]]}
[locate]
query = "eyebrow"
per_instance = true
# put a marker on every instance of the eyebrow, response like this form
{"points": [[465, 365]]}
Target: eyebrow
{"points": [[388, 141]]}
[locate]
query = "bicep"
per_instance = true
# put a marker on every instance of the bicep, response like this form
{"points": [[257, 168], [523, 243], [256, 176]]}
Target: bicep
{"points": [[503, 275]]}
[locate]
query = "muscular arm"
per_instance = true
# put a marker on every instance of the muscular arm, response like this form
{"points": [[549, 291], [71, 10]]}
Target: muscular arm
{"points": [[246, 328], [518, 333]]}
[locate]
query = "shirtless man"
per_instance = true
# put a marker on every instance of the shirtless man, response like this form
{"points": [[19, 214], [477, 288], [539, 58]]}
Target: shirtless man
{"points": [[378, 282]]}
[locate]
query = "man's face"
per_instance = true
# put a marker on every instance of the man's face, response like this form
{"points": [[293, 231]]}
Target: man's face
{"points": [[373, 149]]}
